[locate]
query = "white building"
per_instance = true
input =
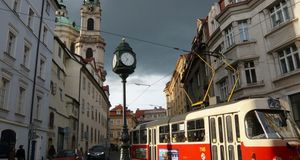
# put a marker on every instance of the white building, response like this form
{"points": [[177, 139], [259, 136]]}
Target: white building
{"points": [[260, 39], [84, 77], [25, 63]]}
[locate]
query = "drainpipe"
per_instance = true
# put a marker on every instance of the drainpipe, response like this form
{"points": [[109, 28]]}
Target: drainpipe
{"points": [[34, 83]]}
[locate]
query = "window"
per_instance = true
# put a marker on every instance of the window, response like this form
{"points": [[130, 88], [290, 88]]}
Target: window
{"points": [[250, 72], [279, 13], [11, 43], [45, 34], [82, 131], [38, 107], [61, 94], [83, 83], [229, 37], [195, 130], [93, 92], [51, 120], [30, 18], [90, 24], [21, 100], [243, 29], [92, 135], [59, 52], [42, 68], [16, 5], [92, 112], [27, 50], [118, 112], [58, 73], [83, 108], [89, 88], [4, 91], [223, 86], [289, 59], [178, 132], [88, 110], [47, 7], [143, 136], [89, 53]]}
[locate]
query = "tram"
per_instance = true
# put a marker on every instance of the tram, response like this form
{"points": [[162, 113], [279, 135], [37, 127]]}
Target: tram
{"points": [[250, 129]]}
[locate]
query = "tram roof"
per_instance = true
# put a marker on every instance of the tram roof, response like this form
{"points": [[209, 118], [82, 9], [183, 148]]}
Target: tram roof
{"points": [[182, 117]]}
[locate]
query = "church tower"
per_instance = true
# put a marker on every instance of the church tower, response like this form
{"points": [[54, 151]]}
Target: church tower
{"points": [[90, 44]]}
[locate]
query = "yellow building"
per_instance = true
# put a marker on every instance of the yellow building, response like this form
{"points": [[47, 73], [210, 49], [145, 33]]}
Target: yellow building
{"points": [[175, 94]]}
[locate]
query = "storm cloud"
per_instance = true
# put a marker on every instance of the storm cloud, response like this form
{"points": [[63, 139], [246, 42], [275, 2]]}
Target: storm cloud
{"points": [[168, 23]]}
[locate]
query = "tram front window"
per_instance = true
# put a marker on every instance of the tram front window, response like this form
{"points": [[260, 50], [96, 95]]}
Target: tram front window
{"points": [[270, 124]]}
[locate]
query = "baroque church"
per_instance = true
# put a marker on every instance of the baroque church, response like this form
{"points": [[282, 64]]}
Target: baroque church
{"points": [[84, 121]]}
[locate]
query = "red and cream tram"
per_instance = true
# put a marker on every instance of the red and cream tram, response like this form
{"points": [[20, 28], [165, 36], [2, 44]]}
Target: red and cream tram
{"points": [[252, 129]]}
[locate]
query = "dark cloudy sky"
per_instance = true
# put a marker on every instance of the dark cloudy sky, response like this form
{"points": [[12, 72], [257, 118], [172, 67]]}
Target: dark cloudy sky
{"points": [[164, 22]]}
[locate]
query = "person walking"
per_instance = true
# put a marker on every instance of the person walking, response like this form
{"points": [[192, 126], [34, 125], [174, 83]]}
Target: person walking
{"points": [[20, 154], [51, 152]]}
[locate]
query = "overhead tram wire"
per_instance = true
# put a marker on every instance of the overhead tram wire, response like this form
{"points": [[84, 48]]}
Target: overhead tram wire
{"points": [[146, 89], [151, 42]]}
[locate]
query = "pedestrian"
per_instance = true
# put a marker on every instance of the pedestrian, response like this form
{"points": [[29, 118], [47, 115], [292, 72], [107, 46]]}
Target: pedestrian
{"points": [[20, 154], [51, 152]]}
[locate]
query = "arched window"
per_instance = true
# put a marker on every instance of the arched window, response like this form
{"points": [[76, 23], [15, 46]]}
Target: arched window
{"points": [[8, 137], [90, 24], [89, 53], [72, 47], [51, 120]]}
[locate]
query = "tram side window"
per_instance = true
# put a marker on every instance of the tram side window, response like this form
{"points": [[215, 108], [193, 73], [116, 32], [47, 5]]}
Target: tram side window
{"points": [[164, 134], [178, 132], [253, 127], [213, 130], [135, 137], [143, 136], [196, 130]]}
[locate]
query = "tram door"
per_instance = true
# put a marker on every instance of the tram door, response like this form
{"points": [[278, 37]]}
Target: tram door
{"points": [[152, 143], [225, 137]]}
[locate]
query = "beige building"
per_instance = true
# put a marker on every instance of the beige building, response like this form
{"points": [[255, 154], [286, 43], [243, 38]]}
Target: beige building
{"points": [[175, 94], [260, 40], [146, 115], [116, 123], [84, 75]]}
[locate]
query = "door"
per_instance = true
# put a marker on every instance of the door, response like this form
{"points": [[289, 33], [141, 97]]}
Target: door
{"points": [[152, 143], [225, 137], [232, 135]]}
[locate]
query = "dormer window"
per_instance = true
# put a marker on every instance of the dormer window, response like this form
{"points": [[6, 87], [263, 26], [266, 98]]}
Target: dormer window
{"points": [[90, 24]]}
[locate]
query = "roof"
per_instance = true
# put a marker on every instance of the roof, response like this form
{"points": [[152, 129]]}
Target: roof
{"points": [[61, 20]]}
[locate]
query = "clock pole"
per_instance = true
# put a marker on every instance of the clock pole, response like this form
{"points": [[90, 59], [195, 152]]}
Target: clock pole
{"points": [[124, 63]]}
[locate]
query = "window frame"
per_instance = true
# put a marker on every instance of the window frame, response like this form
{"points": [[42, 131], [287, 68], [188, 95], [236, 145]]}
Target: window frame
{"points": [[251, 71], [285, 54], [282, 9]]}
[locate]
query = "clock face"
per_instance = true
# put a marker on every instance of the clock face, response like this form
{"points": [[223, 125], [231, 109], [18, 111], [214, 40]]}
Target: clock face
{"points": [[127, 59], [114, 61]]}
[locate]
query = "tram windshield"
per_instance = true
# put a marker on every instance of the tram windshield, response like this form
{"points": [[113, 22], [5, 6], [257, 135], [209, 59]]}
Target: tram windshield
{"points": [[270, 124]]}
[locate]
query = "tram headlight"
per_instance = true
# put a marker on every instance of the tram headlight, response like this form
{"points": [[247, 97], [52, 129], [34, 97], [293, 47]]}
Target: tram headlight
{"points": [[253, 156]]}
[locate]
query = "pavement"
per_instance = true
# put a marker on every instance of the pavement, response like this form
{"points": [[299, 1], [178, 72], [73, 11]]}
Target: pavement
{"points": [[114, 155]]}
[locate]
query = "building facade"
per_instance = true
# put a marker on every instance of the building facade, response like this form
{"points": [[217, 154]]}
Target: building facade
{"points": [[116, 123], [253, 61], [147, 115], [175, 93], [25, 67], [84, 77]]}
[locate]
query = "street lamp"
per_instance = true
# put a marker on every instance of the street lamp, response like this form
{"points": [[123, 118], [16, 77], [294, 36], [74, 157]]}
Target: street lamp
{"points": [[124, 63]]}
